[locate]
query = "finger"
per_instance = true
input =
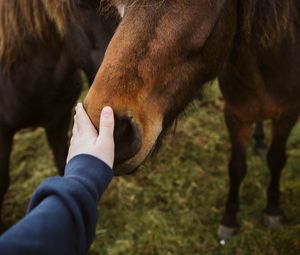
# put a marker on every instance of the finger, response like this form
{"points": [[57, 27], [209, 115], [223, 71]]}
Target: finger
{"points": [[83, 121], [106, 125]]}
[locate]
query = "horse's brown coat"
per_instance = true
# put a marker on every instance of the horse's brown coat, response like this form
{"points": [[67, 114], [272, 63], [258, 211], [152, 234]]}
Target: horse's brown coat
{"points": [[42, 49], [163, 51], [147, 63]]}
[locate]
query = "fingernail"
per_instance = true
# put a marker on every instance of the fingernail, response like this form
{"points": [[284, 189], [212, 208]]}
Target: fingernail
{"points": [[107, 112]]}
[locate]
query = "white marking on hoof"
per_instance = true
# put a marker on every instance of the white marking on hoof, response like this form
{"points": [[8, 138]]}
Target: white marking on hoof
{"points": [[225, 233], [272, 222], [222, 242]]}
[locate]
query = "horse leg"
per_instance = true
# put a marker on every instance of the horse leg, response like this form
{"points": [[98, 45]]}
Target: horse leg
{"points": [[276, 159], [57, 136], [239, 134], [259, 137], [6, 140]]}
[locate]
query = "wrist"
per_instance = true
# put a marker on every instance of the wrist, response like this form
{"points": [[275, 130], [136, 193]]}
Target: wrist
{"points": [[89, 168]]}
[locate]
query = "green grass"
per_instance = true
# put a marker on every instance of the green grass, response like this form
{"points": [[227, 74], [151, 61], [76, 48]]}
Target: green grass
{"points": [[173, 204]]}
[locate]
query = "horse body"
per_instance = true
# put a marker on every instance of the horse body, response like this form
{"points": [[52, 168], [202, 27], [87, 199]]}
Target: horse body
{"points": [[163, 50], [42, 84], [27, 95], [260, 84]]}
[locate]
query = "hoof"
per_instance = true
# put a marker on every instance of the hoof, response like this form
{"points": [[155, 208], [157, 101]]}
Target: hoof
{"points": [[260, 152], [272, 222], [225, 233]]}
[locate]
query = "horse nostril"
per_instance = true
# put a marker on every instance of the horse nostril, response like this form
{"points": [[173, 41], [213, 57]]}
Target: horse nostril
{"points": [[127, 138]]}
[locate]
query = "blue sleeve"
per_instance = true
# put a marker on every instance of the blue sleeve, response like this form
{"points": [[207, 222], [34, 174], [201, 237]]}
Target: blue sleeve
{"points": [[62, 213]]}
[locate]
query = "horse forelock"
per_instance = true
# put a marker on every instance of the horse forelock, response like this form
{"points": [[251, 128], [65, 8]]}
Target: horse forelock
{"points": [[22, 20], [134, 2], [120, 5]]}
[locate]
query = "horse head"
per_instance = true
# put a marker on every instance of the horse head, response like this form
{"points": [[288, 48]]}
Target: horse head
{"points": [[158, 58]]}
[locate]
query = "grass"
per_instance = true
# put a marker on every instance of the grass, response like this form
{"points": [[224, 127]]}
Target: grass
{"points": [[174, 203]]}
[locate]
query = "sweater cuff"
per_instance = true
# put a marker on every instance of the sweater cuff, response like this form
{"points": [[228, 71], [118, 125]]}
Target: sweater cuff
{"points": [[90, 170]]}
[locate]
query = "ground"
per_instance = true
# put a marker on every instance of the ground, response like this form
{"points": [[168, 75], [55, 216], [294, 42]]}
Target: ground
{"points": [[174, 203]]}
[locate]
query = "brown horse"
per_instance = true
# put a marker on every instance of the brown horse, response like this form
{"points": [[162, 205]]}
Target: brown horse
{"points": [[164, 50], [43, 46]]}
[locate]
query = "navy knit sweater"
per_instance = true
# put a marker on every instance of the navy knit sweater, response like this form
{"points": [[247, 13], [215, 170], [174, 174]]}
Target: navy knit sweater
{"points": [[62, 214]]}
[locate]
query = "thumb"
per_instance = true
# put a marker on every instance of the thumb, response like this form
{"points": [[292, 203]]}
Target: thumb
{"points": [[106, 126]]}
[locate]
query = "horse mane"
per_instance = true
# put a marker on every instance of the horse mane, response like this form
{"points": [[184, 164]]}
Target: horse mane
{"points": [[268, 22], [26, 20]]}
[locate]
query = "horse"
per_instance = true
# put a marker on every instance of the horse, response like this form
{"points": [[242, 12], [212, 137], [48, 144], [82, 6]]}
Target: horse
{"points": [[43, 46], [164, 51]]}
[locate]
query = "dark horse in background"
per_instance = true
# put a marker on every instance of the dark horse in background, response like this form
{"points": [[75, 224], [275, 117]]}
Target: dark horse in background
{"points": [[43, 46], [163, 50]]}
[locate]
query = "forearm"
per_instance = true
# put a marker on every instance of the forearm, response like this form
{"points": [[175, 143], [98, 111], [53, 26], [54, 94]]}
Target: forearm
{"points": [[62, 214]]}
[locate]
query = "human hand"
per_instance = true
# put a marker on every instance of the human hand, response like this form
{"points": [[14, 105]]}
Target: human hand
{"points": [[86, 140]]}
